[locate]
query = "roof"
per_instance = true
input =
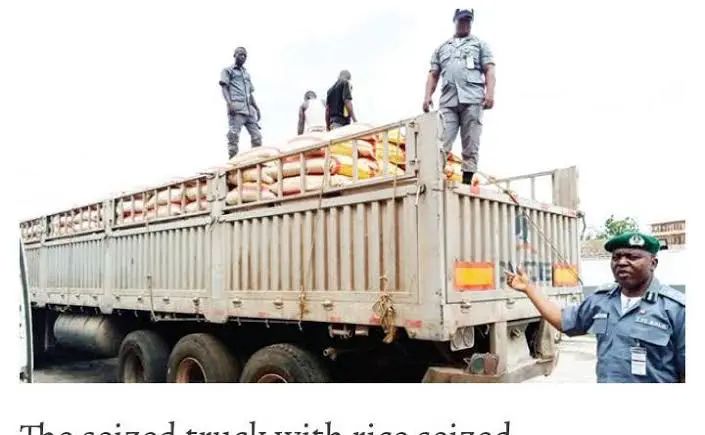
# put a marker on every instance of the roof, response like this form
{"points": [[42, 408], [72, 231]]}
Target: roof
{"points": [[672, 221]]}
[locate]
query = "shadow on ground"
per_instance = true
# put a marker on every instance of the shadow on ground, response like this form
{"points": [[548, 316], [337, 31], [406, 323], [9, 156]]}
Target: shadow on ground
{"points": [[575, 365]]}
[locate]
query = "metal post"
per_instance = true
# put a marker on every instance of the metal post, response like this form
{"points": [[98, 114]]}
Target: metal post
{"points": [[27, 317]]}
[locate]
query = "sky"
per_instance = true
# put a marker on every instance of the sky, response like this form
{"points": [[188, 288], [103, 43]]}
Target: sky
{"points": [[100, 99]]}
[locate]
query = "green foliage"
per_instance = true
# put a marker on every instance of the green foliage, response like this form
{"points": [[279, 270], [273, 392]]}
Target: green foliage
{"points": [[613, 227]]}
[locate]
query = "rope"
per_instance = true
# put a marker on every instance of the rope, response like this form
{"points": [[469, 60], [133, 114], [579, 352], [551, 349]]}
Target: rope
{"points": [[384, 307], [540, 232], [507, 192], [303, 310]]}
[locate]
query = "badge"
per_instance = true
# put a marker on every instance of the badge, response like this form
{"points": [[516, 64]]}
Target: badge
{"points": [[651, 322], [470, 62], [636, 240], [638, 361]]}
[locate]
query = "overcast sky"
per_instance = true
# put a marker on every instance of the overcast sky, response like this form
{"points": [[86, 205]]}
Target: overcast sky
{"points": [[104, 99]]}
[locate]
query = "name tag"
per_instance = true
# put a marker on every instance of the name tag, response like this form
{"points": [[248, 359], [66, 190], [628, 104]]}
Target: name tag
{"points": [[651, 322], [638, 361], [600, 316]]}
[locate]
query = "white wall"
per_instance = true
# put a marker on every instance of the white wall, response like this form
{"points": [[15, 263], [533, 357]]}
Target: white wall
{"points": [[670, 270]]}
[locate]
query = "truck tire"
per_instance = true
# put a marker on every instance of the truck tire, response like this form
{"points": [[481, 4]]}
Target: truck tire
{"points": [[202, 358], [142, 358], [284, 363]]}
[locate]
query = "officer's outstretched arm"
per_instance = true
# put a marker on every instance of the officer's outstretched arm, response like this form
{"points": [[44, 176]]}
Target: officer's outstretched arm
{"points": [[548, 309], [574, 320]]}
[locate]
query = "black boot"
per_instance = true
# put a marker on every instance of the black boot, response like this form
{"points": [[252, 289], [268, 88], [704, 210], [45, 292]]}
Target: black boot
{"points": [[467, 177]]}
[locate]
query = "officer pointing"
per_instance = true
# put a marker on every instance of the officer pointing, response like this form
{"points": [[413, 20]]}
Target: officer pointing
{"points": [[639, 323], [467, 66]]}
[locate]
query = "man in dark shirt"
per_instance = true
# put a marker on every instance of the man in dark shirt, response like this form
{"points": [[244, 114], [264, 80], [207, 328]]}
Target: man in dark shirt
{"points": [[339, 108]]}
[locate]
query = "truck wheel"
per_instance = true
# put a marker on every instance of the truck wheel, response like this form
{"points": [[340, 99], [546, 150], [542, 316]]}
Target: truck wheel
{"points": [[284, 363], [142, 358], [201, 358]]}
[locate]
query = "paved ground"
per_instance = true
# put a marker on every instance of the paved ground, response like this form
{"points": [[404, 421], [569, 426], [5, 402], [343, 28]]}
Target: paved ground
{"points": [[95, 371], [575, 365]]}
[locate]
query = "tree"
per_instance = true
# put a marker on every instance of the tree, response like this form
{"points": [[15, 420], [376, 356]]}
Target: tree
{"points": [[613, 227]]}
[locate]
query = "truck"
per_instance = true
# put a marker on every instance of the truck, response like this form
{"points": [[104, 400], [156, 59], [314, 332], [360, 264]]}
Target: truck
{"points": [[259, 271]]}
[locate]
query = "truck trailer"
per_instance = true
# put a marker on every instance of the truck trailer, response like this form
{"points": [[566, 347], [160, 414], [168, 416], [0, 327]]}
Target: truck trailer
{"points": [[286, 268]]}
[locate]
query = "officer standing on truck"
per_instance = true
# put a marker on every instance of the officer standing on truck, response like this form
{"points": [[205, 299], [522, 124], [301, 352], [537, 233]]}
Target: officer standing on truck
{"points": [[339, 106], [468, 69], [639, 322], [237, 88]]}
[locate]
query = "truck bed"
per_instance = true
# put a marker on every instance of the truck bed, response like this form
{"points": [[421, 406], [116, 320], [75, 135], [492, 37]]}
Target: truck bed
{"points": [[432, 249]]}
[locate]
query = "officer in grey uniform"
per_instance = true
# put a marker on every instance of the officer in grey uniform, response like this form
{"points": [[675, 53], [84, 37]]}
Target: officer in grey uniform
{"points": [[467, 66], [237, 88], [639, 323]]}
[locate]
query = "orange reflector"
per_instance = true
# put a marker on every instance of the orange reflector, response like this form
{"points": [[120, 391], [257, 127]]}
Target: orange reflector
{"points": [[471, 276], [565, 275]]}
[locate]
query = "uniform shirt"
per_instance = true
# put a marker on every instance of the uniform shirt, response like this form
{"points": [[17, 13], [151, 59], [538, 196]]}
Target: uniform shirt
{"points": [[239, 85], [658, 328], [461, 63]]}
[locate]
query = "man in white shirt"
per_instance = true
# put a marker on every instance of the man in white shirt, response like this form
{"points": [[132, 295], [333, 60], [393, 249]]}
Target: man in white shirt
{"points": [[312, 114]]}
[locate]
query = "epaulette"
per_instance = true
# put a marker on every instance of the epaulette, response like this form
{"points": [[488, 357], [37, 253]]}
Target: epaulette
{"points": [[672, 294], [606, 288]]}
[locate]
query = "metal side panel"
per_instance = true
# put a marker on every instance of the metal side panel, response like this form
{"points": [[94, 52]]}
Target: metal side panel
{"points": [[166, 269], [72, 271], [346, 250], [486, 236], [33, 266]]}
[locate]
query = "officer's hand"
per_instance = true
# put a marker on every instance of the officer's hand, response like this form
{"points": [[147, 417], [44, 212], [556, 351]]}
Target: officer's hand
{"points": [[427, 104], [488, 103], [259, 115], [231, 108], [518, 281]]}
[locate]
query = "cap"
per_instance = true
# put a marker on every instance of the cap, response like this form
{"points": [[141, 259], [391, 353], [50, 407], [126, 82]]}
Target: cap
{"points": [[463, 13], [633, 240]]}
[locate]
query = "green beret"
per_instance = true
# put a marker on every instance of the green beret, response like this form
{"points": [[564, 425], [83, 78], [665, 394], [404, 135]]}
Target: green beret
{"points": [[633, 240]]}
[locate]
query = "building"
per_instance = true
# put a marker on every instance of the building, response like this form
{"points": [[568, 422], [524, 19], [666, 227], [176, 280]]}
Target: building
{"points": [[671, 233], [595, 267]]}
